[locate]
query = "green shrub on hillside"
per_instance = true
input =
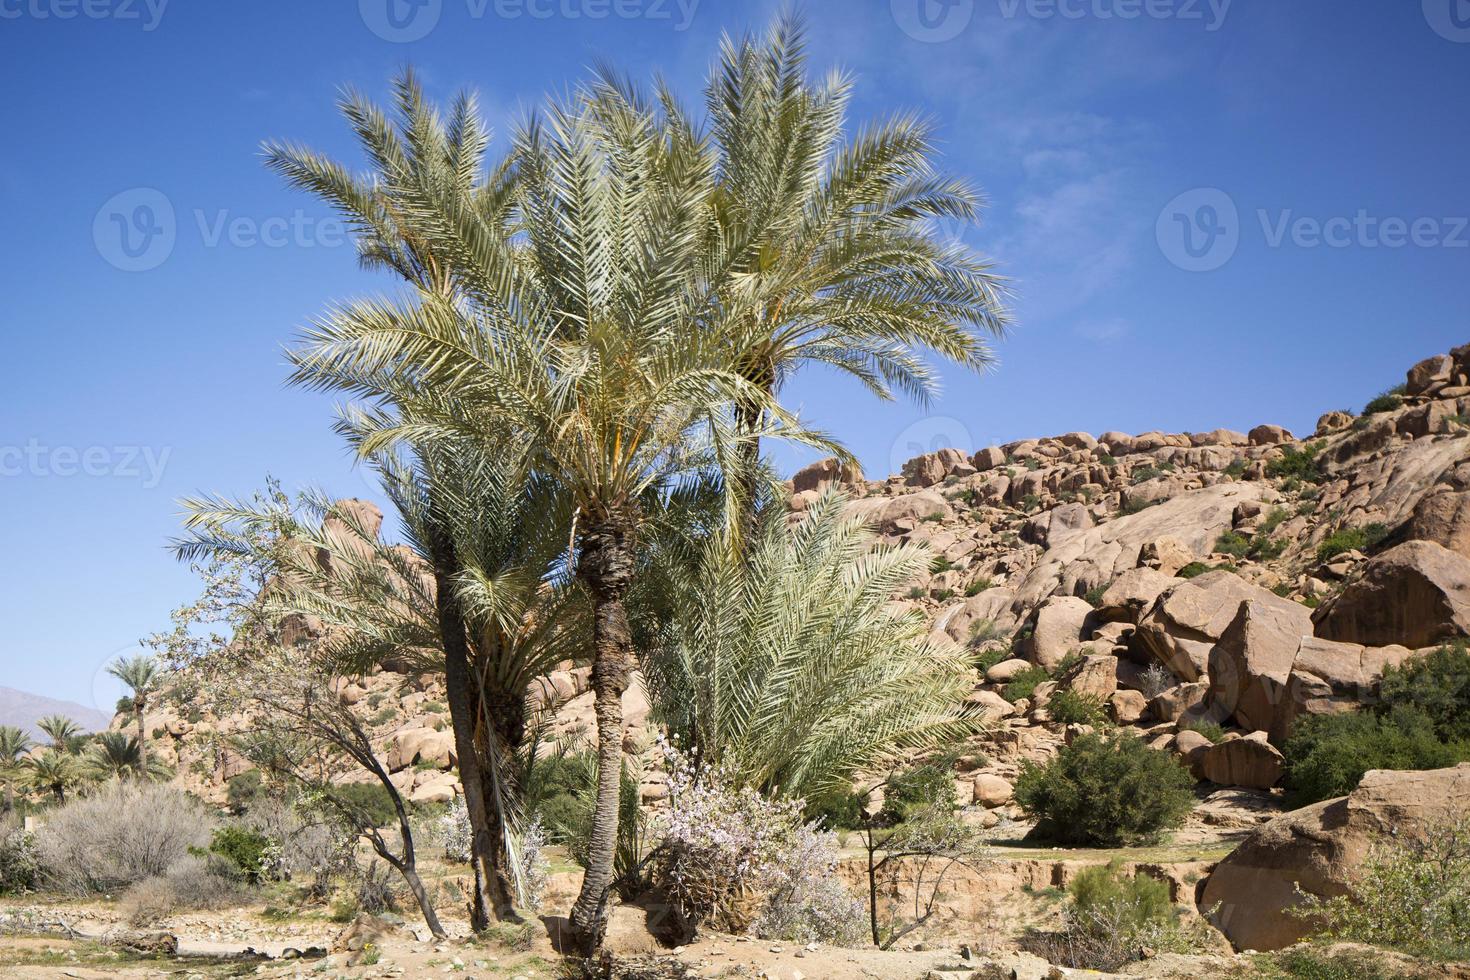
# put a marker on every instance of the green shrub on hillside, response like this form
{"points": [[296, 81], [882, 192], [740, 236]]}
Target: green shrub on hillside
{"points": [[1351, 539], [1436, 684], [1233, 544], [1072, 708], [1327, 755], [1300, 464], [1389, 401], [243, 849], [929, 785], [1106, 790], [1023, 685]]}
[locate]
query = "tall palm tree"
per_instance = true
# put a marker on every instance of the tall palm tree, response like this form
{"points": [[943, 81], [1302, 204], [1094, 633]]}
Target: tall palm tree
{"points": [[587, 351], [62, 732], [13, 744], [142, 676], [116, 755], [52, 771], [787, 664]]}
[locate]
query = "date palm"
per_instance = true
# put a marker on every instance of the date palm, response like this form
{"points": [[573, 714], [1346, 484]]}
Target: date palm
{"points": [[117, 755], [143, 677], [62, 732], [586, 350], [52, 771], [13, 744]]}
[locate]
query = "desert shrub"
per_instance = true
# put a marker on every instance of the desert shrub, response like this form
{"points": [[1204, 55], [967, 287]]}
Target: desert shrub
{"points": [[841, 810], [453, 833], [1412, 893], [246, 850], [1030, 502], [1192, 569], [531, 862], [1437, 684], [371, 800], [1093, 596], [19, 865], [989, 657], [1351, 539], [978, 586], [194, 883], [737, 861], [1236, 469], [984, 631], [1327, 755], [1273, 520], [305, 845], [1156, 679], [1233, 544], [243, 790], [1144, 473], [1388, 401], [1108, 790], [930, 784], [1206, 727], [1297, 464], [1070, 707], [372, 889], [1113, 916], [122, 834], [1263, 548], [1309, 963], [1023, 685]]}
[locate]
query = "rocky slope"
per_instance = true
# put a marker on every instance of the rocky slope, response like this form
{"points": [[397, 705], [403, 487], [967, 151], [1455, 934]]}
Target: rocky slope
{"points": [[1245, 578]]}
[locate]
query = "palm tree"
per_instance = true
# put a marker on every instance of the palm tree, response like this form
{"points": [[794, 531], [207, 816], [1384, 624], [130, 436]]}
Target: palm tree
{"points": [[52, 771], [141, 674], [583, 348], [826, 250], [115, 755], [13, 744], [62, 732], [787, 665]]}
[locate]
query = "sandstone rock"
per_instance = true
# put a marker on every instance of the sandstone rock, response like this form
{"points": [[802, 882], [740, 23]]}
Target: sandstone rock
{"points": [[1006, 670], [1127, 707], [823, 473], [1166, 555], [1251, 761], [1050, 528], [990, 706], [1096, 676], [1416, 595], [991, 790], [1186, 621], [1432, 372], [899, 514], [1328, 676], [1132, 593], [1192, 746], [1443, 518], [411, 745], [1251, 665], [1333, 421], [992, 607], [932, 468], [988, 459], [1057, 628], [439, 789], [1268, 435], [1174, 703], [1318, 849]]}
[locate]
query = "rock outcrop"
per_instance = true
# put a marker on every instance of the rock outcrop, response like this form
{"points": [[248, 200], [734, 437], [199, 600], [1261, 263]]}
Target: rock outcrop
{"points": [[1416, 594]]}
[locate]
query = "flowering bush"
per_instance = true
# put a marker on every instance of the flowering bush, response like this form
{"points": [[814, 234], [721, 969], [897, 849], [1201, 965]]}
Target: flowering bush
{"points": [[19, 865], [739, 862], [452, 832]]}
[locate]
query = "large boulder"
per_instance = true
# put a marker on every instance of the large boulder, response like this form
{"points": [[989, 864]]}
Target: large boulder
{"points": [[1057, 628], [1328, 676], [413, 745], [897, 515], [1318, 849], [1186, 621], [1429, 374], [1251, 761], [932, 468], [1050, 528], [1096, 676], [825, 472], [1443, 518], [1414, 595], [1132, 593], [992, 606], [1250, 666]]}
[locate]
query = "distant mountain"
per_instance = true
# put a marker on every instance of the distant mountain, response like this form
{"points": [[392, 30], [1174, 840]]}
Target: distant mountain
{"points": [[24, 709]]}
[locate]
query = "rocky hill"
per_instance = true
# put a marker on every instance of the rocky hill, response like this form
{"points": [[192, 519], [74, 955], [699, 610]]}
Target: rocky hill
{"points": [[1242, 578], [23, 709]]}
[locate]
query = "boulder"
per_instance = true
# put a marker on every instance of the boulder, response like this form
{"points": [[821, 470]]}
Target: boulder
{"points": [[1328, 676], [1250, 667], [991, 790], [992, 606], [823, 473], [1333, 421], [1096, 676], [1006, 670], [990, 706], [1268, 435], [988, 459], [932, 468], [1166, 555], [1178, 701], [439, 789], [896, 515], [1050, 528], [1192, 746], [1186, 621], [1127, 707], [412, 745], [1251, 761], [1056, 629], [1414, 595], [1430, 373], [1318, 849], [1131, 593], [1443, 518]]}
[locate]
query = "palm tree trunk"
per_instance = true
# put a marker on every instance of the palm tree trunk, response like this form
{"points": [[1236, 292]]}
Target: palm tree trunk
{"points": [[748, 459], [606, 566], [492, 895], [142, 745]]}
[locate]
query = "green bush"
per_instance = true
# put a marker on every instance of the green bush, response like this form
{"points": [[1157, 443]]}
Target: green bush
{"points": [[1263, 548], [1327, 755], [370, 801], [1113, 918], [243, 790], [1351, 539], [1072, 708], [1192, 569], [1204, 726], [19, 865], [978, 586], [837, 811], [243, 849], [1106, 790], [1308, 963], [1093, 596], [930, 785], [1104, 895], [1233, 544], [987, 659], [1299, 464], [1438, 685], [1023, 685], [1389, 401], [1236, 469]]}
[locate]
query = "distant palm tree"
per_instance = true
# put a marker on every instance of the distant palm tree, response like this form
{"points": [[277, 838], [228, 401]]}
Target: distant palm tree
{"points": [[142, 675], [115, 755], [62, 731], [52, 771], [13, 744]]}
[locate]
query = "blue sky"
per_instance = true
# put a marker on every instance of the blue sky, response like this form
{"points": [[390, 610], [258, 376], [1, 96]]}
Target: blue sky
{"points": [[1215, 214]]}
